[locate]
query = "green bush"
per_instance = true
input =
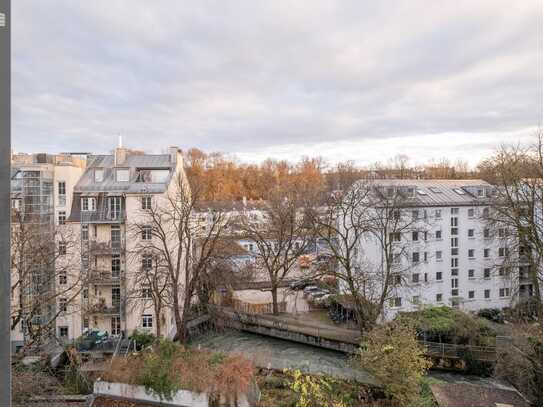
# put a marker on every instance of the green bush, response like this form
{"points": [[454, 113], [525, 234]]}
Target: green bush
{"points": [[143, 338], [450, 325], [155, 371]]}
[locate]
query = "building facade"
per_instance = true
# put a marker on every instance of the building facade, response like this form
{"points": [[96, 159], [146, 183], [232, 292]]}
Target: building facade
{"points": [[449, 254], [41, 191], [112, 197]]}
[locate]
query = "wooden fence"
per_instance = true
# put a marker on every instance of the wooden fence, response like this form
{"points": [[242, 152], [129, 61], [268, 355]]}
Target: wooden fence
{"points": [[256, 309]]}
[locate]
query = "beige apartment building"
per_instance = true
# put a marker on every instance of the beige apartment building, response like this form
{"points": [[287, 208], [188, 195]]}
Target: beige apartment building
{"points": [[41, 196], [111, 197]]}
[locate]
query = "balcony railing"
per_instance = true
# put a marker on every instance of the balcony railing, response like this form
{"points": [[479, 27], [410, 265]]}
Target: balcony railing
{"points": [[104, 277], [101, 308], [103, 217], [108, 247]]}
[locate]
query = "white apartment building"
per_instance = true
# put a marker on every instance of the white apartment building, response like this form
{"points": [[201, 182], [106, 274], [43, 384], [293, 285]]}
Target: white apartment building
{"points": [[449, 255], [111, 196], [41, 192]]}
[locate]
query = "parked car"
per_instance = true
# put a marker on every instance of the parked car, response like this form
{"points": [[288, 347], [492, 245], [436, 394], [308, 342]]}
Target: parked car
{"points": [[299, 285], [310, 288], [313, 295]]}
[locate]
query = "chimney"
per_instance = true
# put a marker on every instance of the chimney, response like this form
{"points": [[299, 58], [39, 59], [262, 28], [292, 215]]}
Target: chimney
{"points": [[120, 156], [173, 150]]}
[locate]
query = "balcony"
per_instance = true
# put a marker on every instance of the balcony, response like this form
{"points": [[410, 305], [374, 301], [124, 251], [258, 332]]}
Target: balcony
{"points": [[100, 307], [108, 247], [103, 217], [104, 277]]}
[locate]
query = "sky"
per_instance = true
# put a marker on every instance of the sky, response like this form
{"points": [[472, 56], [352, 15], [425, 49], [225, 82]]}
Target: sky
{"points": [[344, 80]]}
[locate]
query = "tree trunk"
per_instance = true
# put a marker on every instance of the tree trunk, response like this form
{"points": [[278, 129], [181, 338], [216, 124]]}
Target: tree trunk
{"points": [[275, 306]]}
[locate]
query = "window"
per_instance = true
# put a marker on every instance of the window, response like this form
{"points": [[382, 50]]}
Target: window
{"points": [[415, 278], [438, 213], [115, 236], [395, 302], [146, 202], [122, 174], [88, 204], [501, 232], [454, 251], [425, 257], [147, 321], [504, 292], [146, 262], [486, 273], [439, 255], [471, 253], [454, 262], [114, 207], [454, 231], [62, 248], [98, 175], [487, 294], [425, 277], [454, 211], [503, 251], [85, 323], [504, 271], [415, 214], [454, 222], [471, 294], [454, 283], [454, 293], [416, 257], [146, 233], [486, 253], [454, 242], [85, 293], [62, 193], [146, 293], [471, 212], [63, 331], [116, 325], [62, 277], [62, 304], [471, 232], [439, 276], [61, 217], [85, 232], [425, 236], [438, 234], [471, 273], [397, 279], [439, 297], [486, 212], [454, 272], [415, 236], [115, 265], [116, 296]]}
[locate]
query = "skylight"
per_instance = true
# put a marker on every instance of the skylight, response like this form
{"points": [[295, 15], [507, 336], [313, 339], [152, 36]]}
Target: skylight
{"points": [[422, 192], [459, 191], [435, 190]]}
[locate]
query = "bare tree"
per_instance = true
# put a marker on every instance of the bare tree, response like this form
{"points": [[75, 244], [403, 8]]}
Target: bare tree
{"points": [[516, 213], [183, 246], [364, 219], [280, 238], [43, 284]]}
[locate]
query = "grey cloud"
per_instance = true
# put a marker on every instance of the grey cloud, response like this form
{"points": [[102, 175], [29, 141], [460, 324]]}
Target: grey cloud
{"points": [[247, 77]]}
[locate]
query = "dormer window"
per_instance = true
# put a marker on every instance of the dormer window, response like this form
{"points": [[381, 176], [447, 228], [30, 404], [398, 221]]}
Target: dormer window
{"points": [[98, 175], [88, 204], [122, 174], [480, 192]]}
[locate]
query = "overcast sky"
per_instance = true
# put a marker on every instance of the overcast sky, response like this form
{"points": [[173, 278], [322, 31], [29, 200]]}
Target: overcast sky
{"points": [[341, 79]]}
